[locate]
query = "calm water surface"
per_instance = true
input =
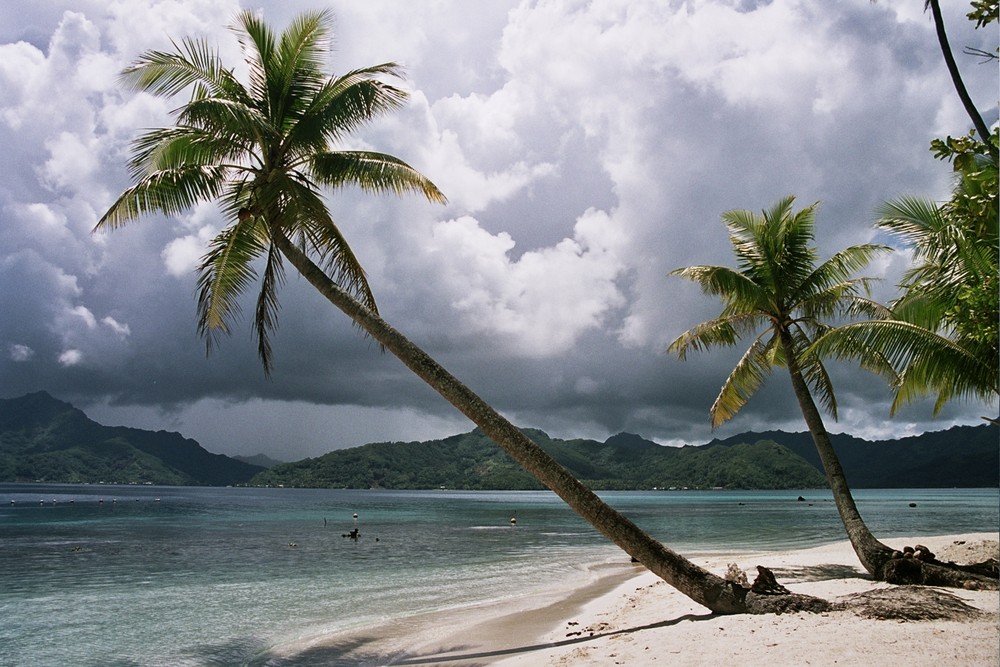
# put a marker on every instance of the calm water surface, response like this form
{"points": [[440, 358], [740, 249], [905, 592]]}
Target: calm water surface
{"points": [[149, 576]]}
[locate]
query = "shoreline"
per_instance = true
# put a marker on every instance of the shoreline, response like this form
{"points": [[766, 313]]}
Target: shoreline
{"points": [[623, 614]]}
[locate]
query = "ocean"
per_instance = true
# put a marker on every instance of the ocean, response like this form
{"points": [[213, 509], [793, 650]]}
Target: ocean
{"points": [[143, 576]]}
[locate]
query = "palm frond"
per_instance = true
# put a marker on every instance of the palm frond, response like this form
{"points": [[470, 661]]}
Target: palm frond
{"points": [[839, 268], [737, 290], [837, 299], [225, 273], [258, 43], [813, 371], [850, 342], [266, 318], [372, 172], [296, 75], [229, 121], [705, 336], [749, 375], [165, 73], [319, 235], [948, 372], [176, 148], [169, 192], [347, 103]]}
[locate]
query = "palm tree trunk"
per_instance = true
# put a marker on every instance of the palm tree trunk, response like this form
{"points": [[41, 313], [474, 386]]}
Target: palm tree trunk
{"points": [[705, 588], [956, 78], [872, 553]]}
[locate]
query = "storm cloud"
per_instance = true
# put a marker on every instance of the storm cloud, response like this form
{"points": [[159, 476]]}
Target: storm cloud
{"points": [[586, 148]]}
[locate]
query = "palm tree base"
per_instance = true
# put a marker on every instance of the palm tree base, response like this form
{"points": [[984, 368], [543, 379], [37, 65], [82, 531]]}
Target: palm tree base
{"points": [[910, 571]]}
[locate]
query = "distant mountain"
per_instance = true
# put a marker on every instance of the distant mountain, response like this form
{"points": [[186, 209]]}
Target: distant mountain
{"points": [[961, 456], [45, 439], [261, 460], [472, 461]]}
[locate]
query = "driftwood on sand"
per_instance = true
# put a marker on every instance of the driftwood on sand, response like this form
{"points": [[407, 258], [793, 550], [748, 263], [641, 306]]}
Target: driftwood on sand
{"points": [[914, 571]]}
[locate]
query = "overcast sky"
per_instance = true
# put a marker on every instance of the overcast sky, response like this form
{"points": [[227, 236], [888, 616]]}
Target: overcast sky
{"points": [[586, 148]]}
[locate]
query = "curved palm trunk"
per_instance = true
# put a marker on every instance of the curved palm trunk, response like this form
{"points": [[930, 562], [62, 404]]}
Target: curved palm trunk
{"points": [[956, 78], [872, 553], [703, 587]]}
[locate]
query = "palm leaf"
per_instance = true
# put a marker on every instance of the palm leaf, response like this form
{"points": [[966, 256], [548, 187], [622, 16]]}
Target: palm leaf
{"points": [[258, 43], [813, 371], [165, 74], [266, 318], [347, 103], [225, 273], [169, 192], [749, 375], [736, 289], [372, 172], [319, 234]]}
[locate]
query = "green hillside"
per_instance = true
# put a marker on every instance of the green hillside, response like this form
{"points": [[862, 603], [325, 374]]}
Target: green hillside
{"points": [[47, 440], [961, 456], [472, 461]]}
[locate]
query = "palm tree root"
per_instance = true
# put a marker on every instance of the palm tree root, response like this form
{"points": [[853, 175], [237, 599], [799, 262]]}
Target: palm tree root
{"points": [[916, 565], [910, 571], [905, 603]]}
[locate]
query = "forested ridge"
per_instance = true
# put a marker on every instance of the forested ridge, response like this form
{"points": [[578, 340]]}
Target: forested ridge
{"points": [[45, 439], [962, 456]]}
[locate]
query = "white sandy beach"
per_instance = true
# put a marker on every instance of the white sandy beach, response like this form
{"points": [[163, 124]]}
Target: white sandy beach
{"points": [[627, 616]]}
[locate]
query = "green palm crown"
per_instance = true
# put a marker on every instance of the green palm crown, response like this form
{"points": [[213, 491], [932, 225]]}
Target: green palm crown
{"points": [[781, 299], [263, 150]]}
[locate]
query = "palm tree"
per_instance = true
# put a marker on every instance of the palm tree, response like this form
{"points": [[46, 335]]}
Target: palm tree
{"points": [[263, 152], [781, 298]]}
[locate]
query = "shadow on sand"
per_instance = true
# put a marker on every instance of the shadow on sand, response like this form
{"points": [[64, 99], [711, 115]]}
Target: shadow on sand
{"points": [[819, 573], [358, 651]]}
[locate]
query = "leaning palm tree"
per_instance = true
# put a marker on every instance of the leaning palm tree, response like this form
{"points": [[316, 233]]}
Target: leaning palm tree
{"points": [[781, 299], [263, 151]]}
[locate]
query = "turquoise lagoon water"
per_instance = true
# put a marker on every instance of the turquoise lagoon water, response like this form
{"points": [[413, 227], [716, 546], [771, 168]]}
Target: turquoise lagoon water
{"points": [[143, 576]]}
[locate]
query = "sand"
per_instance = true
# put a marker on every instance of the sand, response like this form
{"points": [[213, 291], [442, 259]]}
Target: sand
{"points": [[624, 615]]}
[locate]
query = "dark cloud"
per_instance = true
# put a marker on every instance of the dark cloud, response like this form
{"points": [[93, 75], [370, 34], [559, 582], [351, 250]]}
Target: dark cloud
{"points": [[585, 153]]}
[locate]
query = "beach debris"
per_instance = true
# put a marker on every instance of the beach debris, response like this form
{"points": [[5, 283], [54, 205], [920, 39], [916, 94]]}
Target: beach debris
{"points": [[920, 552], [736, 575], [917, 565], [909, 603], [767, 584]]}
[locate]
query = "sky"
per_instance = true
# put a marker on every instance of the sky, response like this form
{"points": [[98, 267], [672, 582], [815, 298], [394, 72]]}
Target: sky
{"points": [[587, 149]]}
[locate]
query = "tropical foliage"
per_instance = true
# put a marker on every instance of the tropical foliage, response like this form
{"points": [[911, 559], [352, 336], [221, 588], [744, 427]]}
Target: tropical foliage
{"points": [[779, 298], [782, 300], [472, 461], [942, 337], [263, 151]]}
